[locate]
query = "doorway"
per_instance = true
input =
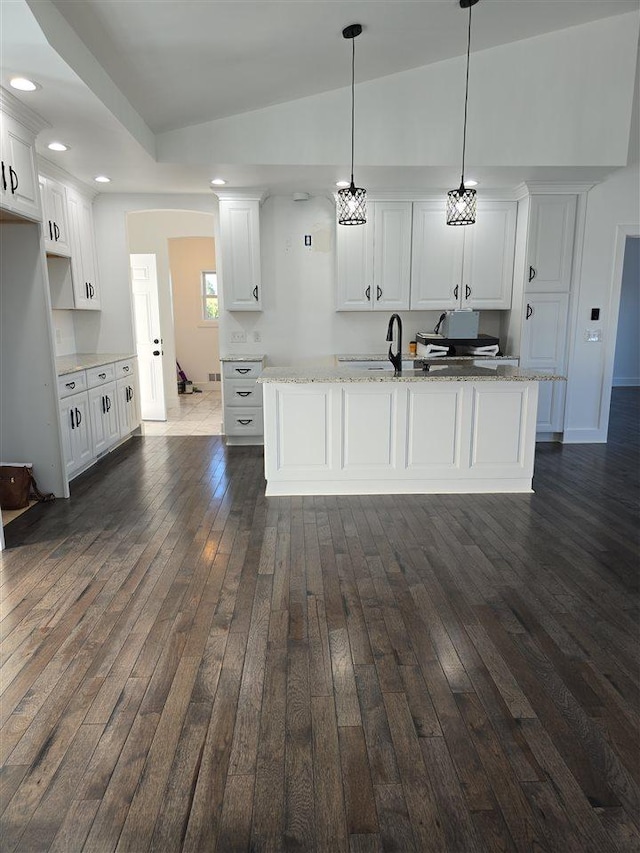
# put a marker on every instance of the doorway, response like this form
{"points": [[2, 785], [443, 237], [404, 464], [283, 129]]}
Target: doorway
{"points": [[149, 343], [183, 244]]}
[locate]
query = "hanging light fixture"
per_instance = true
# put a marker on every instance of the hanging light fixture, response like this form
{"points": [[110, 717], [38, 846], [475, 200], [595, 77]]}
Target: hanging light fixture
{"points": [[352, 200], [461, 203]]}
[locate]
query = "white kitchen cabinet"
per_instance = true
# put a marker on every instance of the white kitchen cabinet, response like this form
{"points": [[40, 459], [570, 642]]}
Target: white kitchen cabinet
{"points": [[373, 261], [242, 401], [127, 396], [84, 276], [104, 417], [55, 221], [240, 254], [543, 346], [463, 267], [19, 188], [77, 436], [552, 221]]}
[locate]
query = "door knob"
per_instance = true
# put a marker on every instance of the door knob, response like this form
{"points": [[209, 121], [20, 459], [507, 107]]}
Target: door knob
{"points": [[156, 340], [156, 352]]}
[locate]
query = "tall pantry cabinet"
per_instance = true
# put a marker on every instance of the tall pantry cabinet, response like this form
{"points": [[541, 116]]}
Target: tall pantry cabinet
{"points": [[549, 223], [29, 419]]}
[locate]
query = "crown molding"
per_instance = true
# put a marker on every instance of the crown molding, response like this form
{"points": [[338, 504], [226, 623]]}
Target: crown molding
{"points": [[11, 106], [252, 194], [50, 170], [547, 188]]}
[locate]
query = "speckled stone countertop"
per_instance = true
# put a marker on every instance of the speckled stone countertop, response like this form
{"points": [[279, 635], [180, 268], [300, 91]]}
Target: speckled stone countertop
{"points": [[84, 360], [407, 356], [257, 357], [436, 373]]}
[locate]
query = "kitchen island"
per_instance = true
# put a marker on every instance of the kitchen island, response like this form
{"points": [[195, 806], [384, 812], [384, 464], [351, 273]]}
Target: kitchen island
{"points": [[456, 428]]}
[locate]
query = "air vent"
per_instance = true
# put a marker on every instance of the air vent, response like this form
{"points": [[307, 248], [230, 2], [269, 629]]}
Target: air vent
{"points": [[214, 377]]}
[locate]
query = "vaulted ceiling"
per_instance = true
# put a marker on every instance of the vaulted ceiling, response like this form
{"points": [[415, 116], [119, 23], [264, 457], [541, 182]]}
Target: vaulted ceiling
{"points": [[115, 73]]}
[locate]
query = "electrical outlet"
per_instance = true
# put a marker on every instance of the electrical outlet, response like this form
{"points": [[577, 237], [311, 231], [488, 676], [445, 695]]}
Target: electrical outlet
{"points": [[238, 337], [257, 337]]}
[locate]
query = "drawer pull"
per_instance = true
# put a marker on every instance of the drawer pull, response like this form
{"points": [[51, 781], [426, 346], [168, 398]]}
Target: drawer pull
{"points": [[70, 385], [245, 421], [102, 376], [243, 393], [243, 370]]}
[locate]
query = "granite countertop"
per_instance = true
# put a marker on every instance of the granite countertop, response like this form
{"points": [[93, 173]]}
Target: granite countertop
{"points": [[436, 373], [407, 356], [254, 357], [85, 360]]}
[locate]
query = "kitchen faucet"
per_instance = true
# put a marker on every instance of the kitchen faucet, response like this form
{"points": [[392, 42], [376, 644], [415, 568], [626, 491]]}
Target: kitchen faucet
{"points": [[396, 360]]}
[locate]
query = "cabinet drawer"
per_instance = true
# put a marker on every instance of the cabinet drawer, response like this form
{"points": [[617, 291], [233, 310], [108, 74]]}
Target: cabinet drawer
{"points": [[72, 383], [242, 393], [97, 376], [240, 369], [125, 368], [243, 422]]}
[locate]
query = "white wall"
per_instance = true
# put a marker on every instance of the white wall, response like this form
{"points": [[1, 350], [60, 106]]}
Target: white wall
{"points": [[564, 98], [114, 330], [626, 367], [615, 202], [299, 321]]}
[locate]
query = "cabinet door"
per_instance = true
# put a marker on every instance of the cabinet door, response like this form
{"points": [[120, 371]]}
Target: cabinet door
{"points": [[22, 192], [76, 432], [240, 249], [83, 259], [55, 227], [489, 248], [103, 408], [551, 397], [544, 330], [391, 255], [354, 265], [436, 267], [550, 246], [127, 406]]}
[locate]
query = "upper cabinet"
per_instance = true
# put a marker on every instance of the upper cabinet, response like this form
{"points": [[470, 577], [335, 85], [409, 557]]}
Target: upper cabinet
{"points": [[550, 245], [373, 261], [240, 254], [463, 267], [19, 189], [84, 275], [55, 222]]}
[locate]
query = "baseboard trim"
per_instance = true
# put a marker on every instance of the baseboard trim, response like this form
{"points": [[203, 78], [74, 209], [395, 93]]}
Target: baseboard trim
{"points": [[584, 436], [625, 382]]}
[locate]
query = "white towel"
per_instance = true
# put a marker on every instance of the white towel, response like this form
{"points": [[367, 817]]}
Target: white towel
{"points": [[431, 350], [490, 349]]}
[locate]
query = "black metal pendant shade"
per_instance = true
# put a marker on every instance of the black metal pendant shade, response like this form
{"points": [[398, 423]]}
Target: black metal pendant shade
{"points": [[461, 203], [352, 200]]}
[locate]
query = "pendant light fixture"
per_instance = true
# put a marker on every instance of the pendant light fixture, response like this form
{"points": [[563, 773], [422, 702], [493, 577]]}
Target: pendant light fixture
{"points": [[461, 203], [352, 200]]}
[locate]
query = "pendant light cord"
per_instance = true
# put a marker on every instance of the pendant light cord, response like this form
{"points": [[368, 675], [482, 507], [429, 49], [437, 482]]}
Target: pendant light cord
{"points": [[353, 72], [466, 99]]}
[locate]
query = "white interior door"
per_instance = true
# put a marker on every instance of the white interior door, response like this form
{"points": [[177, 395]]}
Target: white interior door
{"points": [[146, 315]]}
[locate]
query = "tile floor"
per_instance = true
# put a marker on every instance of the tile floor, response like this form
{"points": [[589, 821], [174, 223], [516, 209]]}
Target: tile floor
{"points": [[195, 414]]}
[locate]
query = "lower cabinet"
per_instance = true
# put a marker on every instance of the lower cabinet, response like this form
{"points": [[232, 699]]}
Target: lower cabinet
{"points": [[103, 405], [242, 401], [95, 420], [76, 432]]}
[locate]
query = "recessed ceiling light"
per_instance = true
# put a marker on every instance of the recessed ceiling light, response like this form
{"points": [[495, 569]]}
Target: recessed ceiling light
{"points": [[342, 183], [58, 146], [102, 179], [218, 182], [470, 183], [23, 84]]}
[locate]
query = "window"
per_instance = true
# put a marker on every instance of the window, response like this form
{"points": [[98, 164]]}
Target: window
{"points": [[210, 310]]}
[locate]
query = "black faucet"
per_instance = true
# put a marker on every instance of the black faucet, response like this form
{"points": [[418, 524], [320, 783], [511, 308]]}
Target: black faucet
{"points": [[396, 360]]}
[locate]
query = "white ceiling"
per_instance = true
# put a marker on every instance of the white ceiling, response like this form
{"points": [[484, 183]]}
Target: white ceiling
{"points": [[187, 62]]}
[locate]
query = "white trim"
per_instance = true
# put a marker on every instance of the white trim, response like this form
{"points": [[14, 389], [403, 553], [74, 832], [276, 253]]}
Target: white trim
{"points": [[12, 106], [255, 194], [399, 487], [610, 333], [584, 436], [47, 169], [549, 188]]}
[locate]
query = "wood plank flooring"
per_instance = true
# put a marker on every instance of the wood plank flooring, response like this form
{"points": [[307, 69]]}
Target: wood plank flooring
{"points": [[188, 665]]}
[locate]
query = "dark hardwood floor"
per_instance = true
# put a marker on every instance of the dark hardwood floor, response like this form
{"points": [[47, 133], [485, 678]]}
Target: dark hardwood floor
{"points": [[188, 665]]}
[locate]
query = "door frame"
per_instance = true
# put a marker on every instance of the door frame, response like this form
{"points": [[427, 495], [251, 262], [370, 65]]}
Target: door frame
{"points": [[623, 233]]}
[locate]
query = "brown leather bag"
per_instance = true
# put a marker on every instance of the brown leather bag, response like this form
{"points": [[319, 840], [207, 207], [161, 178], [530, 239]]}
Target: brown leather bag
{"points": [[18, 486]]}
